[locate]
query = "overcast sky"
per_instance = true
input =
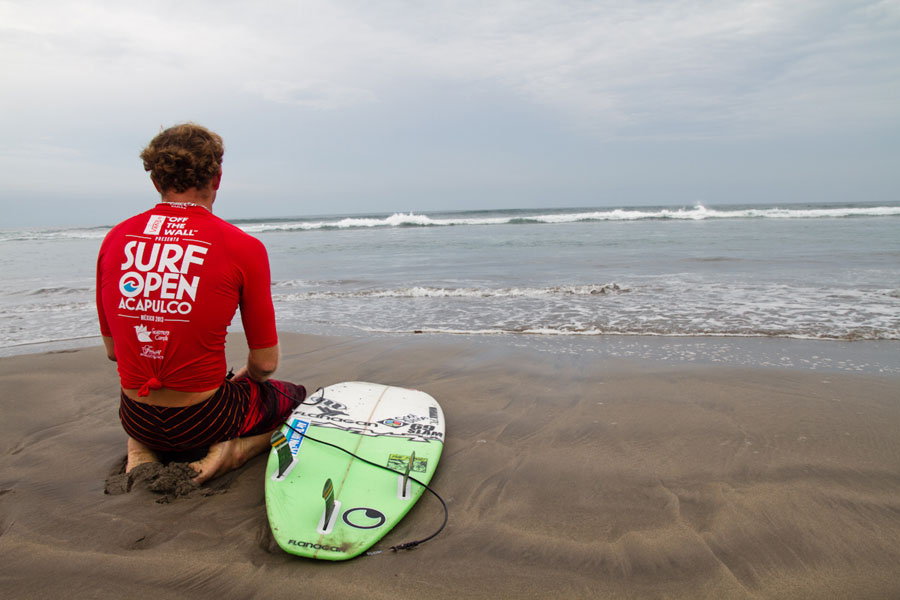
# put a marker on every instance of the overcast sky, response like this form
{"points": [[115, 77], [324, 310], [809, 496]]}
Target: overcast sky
{"points": [[358, 106]]}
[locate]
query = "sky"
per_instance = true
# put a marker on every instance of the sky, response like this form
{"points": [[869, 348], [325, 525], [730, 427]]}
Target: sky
{"points": [[359, 107]]}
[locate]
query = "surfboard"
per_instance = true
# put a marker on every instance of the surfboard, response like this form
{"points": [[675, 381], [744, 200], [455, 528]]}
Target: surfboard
{"points": [[324, 503]]}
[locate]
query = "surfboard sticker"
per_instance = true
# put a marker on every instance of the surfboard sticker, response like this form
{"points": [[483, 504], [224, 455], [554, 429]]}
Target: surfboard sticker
{"points": [[400, 428], [397, 462], [331, 409], [295, 434]]}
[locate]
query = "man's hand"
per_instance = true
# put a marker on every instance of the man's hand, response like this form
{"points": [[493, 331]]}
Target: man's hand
{"points": [[261, 363]]}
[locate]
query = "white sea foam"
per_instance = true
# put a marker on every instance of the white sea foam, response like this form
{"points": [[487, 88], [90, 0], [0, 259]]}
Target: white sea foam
{"points": [[468, 292], [672, 306], [75, 233], [695, 213], [698, 212]]}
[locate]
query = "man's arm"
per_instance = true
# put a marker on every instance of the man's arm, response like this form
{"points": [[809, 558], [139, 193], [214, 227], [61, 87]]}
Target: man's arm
{"points": [[261, 363], [231, 454], [110, 347]]}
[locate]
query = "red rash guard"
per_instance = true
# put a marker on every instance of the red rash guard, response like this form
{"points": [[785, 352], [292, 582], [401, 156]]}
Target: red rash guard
{"points": [[168, 284]]}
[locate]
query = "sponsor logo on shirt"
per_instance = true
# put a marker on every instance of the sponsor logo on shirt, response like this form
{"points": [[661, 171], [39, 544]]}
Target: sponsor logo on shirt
{"points": [[143, 335], [151, 352], [154, 225], [157, 277], [172, 228], [148, 335]]}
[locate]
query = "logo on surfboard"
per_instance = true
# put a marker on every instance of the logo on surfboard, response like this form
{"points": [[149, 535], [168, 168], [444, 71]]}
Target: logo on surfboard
{"points": [[364, 518]]}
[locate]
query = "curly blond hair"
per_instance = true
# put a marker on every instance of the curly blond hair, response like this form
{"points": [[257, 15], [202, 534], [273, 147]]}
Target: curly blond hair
{"points": [[184, 156]]}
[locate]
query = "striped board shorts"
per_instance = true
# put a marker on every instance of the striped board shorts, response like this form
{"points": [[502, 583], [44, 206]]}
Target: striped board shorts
{"points": [[239, 408]]}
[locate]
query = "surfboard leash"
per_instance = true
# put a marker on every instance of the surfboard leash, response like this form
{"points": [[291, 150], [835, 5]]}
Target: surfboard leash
{"points": [[406, 545]]}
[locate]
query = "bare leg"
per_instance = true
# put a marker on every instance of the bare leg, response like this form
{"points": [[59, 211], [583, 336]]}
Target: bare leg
{"points": [[138, 454], [229, 455]]}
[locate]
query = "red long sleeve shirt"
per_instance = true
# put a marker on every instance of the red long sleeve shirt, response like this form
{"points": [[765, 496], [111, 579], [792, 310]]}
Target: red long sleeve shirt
{"points": [[169, 282]]}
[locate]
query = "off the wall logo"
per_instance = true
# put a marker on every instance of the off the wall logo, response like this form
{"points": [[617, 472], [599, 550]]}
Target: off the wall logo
{"points": [[168, 226], [155, 277]]}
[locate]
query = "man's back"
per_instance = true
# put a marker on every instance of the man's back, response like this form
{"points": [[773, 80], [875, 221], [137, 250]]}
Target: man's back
{"points": [[169, 283]]}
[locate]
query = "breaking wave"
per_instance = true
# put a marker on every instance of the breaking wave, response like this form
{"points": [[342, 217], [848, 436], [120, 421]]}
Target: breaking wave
{"points": [[696, 213]]}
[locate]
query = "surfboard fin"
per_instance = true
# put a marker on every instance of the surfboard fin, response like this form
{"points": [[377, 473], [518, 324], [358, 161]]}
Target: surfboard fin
{"points": [[404, 492], [283, 451], [326, 523], [328, 496]]}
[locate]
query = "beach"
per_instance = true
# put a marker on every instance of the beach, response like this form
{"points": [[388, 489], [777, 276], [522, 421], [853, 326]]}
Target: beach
{"points": [[565, 476]]}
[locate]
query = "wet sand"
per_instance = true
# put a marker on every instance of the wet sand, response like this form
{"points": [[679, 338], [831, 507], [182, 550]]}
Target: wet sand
{"points": [[566, 476]]}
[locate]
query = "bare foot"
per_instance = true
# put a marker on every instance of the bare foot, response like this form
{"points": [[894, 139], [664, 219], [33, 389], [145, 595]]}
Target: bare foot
{"points": [[229, 455], [138, 454]]}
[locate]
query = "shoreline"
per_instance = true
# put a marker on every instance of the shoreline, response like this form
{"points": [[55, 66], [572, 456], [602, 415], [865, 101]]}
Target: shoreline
{"points": [[575, 476], [878, 357]]}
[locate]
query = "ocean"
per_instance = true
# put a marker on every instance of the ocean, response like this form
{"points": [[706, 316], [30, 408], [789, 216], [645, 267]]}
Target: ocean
{"points": [[813, 286]]}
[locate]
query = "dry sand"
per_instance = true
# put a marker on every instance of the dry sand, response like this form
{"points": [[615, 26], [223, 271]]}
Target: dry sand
{"points": [[566, 477]]}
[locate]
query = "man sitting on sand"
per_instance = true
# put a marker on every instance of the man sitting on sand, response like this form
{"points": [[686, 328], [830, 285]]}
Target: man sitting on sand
{"points": [[169, 281]]}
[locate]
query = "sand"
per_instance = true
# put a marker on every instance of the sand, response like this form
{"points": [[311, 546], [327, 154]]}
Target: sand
{"points": [[565, 476]]}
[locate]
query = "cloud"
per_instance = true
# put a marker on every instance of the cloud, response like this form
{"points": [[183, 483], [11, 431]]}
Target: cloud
{"points": [[683, 69], [314, 93], [635, 69], [347, 94], [666, 69]]}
